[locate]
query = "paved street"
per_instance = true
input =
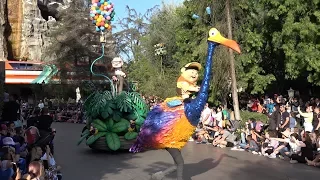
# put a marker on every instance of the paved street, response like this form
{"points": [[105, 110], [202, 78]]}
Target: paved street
{"points": [[203, 162]]}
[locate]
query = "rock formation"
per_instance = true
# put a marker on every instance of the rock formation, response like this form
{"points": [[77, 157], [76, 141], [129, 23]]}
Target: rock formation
{"points": [[25, 25], [29, 22], [3, 24]]}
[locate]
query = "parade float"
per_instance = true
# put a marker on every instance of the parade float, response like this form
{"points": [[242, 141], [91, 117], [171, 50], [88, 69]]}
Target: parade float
{"points": [[113, 116]]}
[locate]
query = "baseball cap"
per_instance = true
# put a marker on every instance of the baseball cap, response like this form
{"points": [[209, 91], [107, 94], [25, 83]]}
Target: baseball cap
{"points": [[8, 141], [3, 127]]}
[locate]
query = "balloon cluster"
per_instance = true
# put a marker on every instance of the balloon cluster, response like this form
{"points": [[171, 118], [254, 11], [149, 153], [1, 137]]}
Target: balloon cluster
{"points": [[101, 14]]}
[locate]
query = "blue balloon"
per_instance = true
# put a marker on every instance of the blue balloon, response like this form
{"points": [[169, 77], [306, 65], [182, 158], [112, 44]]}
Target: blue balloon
{"points": [[92, 15], [99, 4], [97, 29], [105, 15], [102, 13], [98, 12], [102, 28], [108, 13], [101, 1], [208, 10], [194, 16]]}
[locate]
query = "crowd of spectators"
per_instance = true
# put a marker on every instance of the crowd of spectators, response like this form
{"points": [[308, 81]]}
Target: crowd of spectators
{"points": [[26, 148], [292, 132]]}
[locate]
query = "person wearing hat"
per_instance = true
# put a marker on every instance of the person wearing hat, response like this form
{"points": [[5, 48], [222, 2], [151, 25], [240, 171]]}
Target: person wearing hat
{"points": [[187, 82]]}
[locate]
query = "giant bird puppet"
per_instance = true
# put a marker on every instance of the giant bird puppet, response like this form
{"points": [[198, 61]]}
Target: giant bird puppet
{"points": [[170, 128]]}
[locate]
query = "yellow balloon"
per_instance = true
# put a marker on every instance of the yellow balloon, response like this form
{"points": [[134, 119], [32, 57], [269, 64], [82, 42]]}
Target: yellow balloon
{"points": [[106, 25], [99, 20], [105, 3], [93, 8], [100, 16]]}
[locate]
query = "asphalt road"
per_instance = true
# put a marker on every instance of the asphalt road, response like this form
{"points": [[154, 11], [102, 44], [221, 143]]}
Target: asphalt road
{"points": [[203, 162]]}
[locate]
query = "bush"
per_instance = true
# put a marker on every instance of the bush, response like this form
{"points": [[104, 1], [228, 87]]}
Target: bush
{"points": [[245, 115]]}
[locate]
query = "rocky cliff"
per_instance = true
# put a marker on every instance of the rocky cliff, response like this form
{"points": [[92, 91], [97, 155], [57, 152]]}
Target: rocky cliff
{"points": [[3, 24], [24, 25]]}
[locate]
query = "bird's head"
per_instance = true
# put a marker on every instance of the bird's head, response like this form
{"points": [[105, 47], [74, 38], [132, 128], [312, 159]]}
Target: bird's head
{"points": [[215, 36]]}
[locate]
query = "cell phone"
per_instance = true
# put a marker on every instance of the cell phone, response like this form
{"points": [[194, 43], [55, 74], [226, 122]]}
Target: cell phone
{"points": [[14, 166], [45, 164]]}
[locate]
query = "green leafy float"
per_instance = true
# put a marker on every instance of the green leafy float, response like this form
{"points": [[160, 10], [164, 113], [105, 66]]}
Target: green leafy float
{"points": [[111, 116]]}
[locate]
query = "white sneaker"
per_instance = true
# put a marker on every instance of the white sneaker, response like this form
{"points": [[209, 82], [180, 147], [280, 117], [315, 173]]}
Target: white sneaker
{"points": [[254, 152], [272, 156], [191, 139], [293, 161], [235, 148]]}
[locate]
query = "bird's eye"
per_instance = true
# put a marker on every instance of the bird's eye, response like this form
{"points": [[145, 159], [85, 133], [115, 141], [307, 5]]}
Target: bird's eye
{"points": [[212, 33]]}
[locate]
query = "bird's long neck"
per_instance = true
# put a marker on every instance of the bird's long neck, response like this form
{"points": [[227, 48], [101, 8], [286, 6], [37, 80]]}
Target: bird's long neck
{"points": [[194, 108]]}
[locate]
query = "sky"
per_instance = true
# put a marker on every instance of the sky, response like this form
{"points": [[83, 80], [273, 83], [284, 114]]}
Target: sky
{"points": [[141, 6]]}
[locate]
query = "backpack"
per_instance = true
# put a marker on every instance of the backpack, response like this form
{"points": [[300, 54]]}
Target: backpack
{"points": [[259, 126]]}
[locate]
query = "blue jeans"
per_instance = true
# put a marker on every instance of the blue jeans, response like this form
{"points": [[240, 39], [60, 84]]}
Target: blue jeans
{"points": [[243, 138], [283, 151]]}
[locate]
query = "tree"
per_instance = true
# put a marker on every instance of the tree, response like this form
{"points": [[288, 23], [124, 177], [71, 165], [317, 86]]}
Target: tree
{"points": [[279, 40], [134, 27], [74, 41]]}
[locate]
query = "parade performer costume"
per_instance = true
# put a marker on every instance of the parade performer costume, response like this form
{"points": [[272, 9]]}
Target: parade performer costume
{"points": [[168, 127], [187, 82]]}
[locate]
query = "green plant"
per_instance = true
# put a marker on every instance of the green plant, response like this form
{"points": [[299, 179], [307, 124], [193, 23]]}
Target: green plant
{"points": [[111, 116], [245, 115]]}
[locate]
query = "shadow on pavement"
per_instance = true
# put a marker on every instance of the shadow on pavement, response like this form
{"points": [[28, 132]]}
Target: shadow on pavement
{"points": [[190, 170]]}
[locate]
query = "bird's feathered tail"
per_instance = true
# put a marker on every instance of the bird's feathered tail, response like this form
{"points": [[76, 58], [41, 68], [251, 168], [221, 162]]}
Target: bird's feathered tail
{"points": [[136, 147]]}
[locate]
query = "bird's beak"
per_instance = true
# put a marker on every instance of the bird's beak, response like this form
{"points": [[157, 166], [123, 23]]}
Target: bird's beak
{"points": [[218, 38]]}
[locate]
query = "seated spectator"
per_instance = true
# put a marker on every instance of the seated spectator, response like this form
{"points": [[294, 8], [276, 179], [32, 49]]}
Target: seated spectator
{"points": [[270, 144], [292, 142], [35, 171], [306, 149], [225, 139], [251, 145]]}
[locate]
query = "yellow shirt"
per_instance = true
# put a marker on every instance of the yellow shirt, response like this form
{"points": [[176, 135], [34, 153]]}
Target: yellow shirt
{"points": [[308, 117]]}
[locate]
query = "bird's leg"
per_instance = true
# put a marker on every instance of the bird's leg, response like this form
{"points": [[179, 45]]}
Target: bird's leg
{"points": [[178, 160], [179, 163]]}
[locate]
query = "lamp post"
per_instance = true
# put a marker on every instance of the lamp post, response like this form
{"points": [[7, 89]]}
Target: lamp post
{"points": [[291, 93], [160, 50]]}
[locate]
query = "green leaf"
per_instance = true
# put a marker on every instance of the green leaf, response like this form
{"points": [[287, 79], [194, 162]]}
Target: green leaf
{"points": [[120, 127], [85, 132], [105, 114], [113, 141], [110, 124], [83, 137], [138, 127], [130, 135], [95, 137], [140, 120], [131, 117], [116, 117]]}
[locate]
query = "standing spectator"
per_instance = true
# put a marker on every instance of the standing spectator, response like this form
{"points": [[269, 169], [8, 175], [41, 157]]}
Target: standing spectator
{"points": [[293, 122], [274, 119], [218, 117], [270, 107], [308, 118], [11, 109], [316, 118], [284, 118], [41, 104], [206, 118]]}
